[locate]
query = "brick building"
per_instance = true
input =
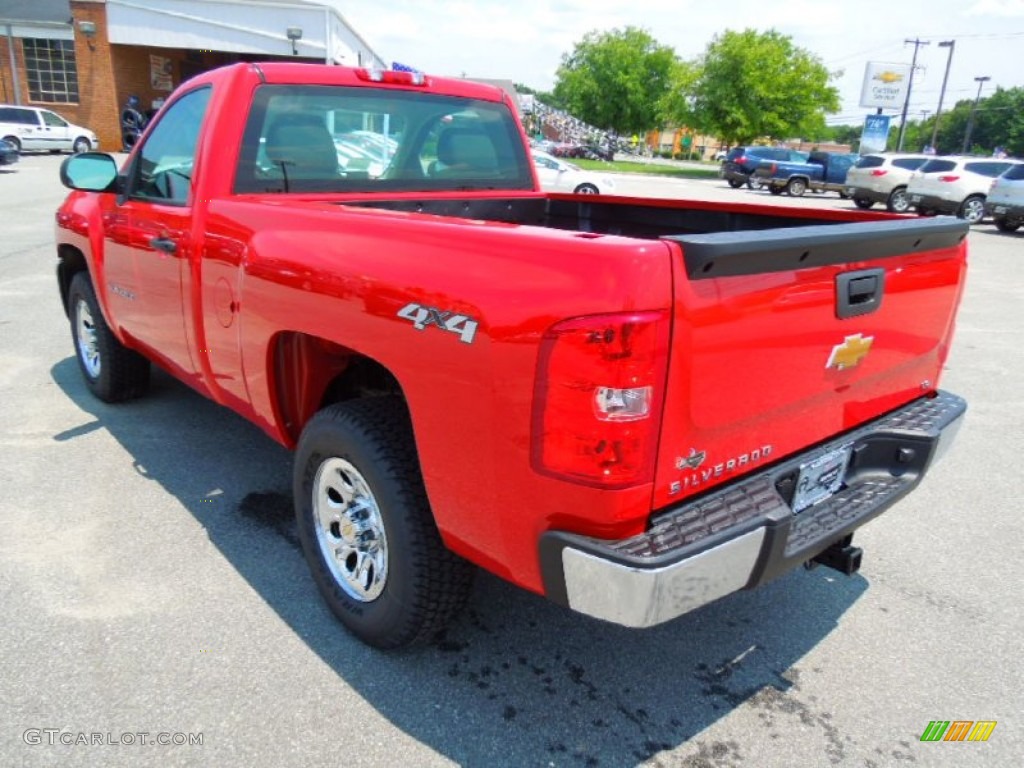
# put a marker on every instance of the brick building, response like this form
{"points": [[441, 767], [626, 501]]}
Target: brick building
{"points": [[83, 58]]}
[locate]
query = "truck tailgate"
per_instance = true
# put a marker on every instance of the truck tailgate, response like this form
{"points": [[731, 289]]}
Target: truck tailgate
{"points": [[785, 338]]}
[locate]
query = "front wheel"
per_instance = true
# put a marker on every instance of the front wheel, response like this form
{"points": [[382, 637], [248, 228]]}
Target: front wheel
{"points": [[862, 202], [111, 371], [796, 187], [735, 183], [586, 189], [972, 209], [366, 526], [775, 190]]}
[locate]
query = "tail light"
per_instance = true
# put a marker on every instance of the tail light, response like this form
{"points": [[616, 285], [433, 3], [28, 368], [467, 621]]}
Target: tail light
{"points": [[741, 160], [775, 168], [878, 172], [597, 404], [398, 77], [948, 178]]}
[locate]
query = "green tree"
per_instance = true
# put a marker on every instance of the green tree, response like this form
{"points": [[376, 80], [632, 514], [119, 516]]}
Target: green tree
{"points": [[616, 80], [754, 84]]}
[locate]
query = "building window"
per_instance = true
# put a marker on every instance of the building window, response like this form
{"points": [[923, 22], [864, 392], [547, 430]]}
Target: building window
{"points": [[51, 71]]}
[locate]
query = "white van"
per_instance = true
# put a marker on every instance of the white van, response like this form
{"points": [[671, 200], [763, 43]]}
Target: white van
{"points": [[34, 128]]}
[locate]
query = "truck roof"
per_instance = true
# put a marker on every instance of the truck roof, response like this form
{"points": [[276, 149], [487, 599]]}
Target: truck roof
{"points": [[283, 73]]}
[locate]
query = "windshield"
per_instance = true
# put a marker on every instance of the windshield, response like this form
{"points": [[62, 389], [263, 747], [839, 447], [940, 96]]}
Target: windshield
{"points": [[344, 139]]}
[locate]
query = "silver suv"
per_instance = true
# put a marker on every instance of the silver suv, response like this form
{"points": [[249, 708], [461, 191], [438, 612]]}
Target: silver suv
{"points": [[955, 185], [883, 179]]}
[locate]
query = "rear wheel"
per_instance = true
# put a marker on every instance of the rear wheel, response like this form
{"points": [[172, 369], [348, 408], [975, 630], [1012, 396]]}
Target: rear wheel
{"points": [[775, 190], [1008, 225], [111, 371], [862, 202], [796, 187], [366, 526], [735, 183], [898, 201], [81, 145], [13, 141], [586, 189], [972, 209]]}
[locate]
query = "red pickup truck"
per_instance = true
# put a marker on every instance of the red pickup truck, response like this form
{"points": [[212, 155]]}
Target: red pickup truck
{"points": [[631, 406]]}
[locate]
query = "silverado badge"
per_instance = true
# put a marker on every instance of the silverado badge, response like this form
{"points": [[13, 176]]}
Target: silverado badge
{"points": [[848, 354]]}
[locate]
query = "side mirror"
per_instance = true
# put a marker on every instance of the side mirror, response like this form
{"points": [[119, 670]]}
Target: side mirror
{"points": [[90, 172]]}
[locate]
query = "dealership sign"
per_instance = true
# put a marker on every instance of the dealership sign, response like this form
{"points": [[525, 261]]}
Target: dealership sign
{"points": [[885, 85]]}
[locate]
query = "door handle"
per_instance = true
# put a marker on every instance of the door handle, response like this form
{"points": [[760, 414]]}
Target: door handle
{"points": [[164, 244]]}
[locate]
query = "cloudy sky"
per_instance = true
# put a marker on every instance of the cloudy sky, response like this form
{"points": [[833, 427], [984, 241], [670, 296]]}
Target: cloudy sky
{"points": [[523, 40]]}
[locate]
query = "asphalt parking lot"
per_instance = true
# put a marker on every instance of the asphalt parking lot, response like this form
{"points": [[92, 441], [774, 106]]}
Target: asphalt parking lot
{"points": [[153, 590]]}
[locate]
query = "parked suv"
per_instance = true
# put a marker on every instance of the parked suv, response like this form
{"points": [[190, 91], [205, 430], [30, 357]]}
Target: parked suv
{"points": [[1005, 203], [883, 179], [957, 185], [739, 164], [34, 128]]}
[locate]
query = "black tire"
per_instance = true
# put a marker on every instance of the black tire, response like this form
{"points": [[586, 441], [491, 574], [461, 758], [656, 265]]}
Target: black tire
{"points": [[796, 187], [81, 145], [735, 183], [898, 201], [359, 498], [112, 372], [775, 190], [844, 196], [14, 142], [1007, 225], [862, 202], [586, 189], [972, 209]]}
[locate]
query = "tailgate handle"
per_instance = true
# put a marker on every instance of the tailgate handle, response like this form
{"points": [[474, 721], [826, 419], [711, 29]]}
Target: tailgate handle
{"points": [[859, 293]]}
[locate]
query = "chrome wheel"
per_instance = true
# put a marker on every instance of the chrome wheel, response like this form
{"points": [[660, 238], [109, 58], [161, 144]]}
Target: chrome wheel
{"points": [[88, 346], [349, 530], [973, 209], [898, 201]]}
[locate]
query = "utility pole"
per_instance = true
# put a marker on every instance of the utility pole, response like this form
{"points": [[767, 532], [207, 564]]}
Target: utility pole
{"points": [[951, 44], [970, 120], [910, 86]]}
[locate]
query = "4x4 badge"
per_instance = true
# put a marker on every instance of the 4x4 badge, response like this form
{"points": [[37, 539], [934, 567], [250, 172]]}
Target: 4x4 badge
{"points": [[848, 354], [421, 317]]}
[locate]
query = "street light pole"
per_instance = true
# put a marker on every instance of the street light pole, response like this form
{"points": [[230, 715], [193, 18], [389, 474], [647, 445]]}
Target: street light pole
{"points": [[970, 120], [951, 44]]}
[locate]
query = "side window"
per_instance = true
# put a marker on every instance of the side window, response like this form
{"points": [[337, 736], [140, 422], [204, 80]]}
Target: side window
{"points": [[163, 170], [909, 163], [53, 120], [987, 169]]}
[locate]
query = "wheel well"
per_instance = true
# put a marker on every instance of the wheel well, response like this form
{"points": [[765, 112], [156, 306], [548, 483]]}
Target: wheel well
{"points": [[72, 261], [310, 373]]}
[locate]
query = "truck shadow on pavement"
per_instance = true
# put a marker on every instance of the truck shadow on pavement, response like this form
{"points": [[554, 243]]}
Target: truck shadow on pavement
{"points": [[516, 680]]}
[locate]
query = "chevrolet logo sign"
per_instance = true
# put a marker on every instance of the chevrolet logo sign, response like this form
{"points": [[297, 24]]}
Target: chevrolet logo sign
{"points": [[848, 354], [888, 77]]}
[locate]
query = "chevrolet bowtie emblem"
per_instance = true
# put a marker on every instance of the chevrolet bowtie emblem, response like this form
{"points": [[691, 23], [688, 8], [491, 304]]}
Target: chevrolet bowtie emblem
{"points": [[693, 461], [888, 77], [848, 354]]}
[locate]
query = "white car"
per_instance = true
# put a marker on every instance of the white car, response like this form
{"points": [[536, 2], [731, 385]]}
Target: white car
{"points": [[883, 179], [556, 175], [957, 185], [35, 128], [1005, 203]]}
